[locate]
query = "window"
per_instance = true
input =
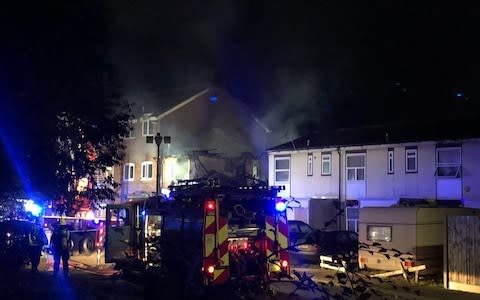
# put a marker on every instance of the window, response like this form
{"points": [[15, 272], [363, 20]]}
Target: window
{"points": [[449, 162], [411, 160], [326, 164], [131, 133], [390, 164], [379, 233], [147, 127], [119, 217], [352, 214], [356, 166], [128, 172], [282, 169], [147, 170], [310, 164]]}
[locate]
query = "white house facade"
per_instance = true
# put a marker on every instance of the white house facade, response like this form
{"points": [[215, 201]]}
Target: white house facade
{"points": [[379, 172]]}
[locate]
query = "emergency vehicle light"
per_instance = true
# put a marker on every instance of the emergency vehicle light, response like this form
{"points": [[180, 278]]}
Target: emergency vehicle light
{"points": [[280, 205], [284, 263], [33, 208], [210, 205], [211, 269]]}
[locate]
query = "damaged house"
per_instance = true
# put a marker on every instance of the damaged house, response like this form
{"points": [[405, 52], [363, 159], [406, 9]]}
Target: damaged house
{"points": [[208, 134]]}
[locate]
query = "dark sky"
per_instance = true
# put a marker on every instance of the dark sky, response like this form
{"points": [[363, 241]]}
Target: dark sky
{"points": [[338, 63], [300, 65]]}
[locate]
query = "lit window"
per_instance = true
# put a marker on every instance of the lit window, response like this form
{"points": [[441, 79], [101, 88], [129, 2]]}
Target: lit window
{"points": [[310, 164], [379, 233], [356, 166], [326, 164], [128, 172], [411, 160], [390, 163], [282, 169], [449, 162], [147, 170]]}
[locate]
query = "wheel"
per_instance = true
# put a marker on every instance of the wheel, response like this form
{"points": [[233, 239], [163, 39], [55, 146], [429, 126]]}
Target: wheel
{"points": [[87, 246]]}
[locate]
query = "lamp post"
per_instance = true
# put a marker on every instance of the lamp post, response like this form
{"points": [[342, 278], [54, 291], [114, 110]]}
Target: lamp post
{"points": [[158, 140]]}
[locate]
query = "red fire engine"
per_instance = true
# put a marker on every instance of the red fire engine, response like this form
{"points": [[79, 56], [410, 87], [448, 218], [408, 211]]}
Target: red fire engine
{"points": [[206, 237]]}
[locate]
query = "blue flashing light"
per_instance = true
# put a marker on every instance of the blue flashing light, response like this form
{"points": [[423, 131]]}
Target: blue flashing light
{"points": [[96, 221], [213, 98], [33, 208], [459, 94], [143, 213], [280, 206]]}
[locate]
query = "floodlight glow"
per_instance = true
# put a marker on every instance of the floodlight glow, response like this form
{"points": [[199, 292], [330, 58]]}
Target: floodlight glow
{"points": [[89, 215], [33, 208], [280, 206]]}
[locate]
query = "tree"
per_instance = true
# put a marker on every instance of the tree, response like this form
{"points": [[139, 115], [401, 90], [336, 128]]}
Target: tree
{"points": [[62, 98]]}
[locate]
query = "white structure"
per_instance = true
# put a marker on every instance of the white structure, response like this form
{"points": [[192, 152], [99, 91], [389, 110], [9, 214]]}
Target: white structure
{"points": [[379, 166]]}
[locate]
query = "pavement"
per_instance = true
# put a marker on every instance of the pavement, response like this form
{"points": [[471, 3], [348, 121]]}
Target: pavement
{"points": [[93, 263], [317, 282]]}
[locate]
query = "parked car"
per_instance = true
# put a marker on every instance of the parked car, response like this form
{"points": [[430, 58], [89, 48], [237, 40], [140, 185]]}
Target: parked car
{"points": [[309, 243], [13, 243]]}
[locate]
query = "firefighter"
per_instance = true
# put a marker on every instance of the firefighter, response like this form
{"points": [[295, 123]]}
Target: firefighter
{"points": [[60, 242], [36, 240]]}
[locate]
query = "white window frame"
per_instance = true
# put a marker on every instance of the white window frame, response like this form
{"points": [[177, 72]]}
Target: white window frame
{"points": [[131, 133], [310, 164], [327, 158], [356, 168], [390, 161], [277, 158], [147, 127], [457, 165], [130, 175], [144, 172], [411, 153]]}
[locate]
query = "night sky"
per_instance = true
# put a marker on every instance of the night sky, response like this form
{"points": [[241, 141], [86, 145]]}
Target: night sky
{"points": [[337, 63], [300, 65]]}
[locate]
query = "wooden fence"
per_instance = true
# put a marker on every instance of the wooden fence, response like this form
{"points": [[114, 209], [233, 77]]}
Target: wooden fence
{"points": [[462, 263]]}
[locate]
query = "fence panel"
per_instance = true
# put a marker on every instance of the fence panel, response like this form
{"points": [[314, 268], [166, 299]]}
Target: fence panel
{"points": [[463, 253]]}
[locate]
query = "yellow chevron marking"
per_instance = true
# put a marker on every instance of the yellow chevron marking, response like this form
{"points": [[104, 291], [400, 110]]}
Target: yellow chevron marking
{"points": [[209, 244], [282, 240], [209, 220], [269, 230], [222, 234], [224, 260], [217, 273]]}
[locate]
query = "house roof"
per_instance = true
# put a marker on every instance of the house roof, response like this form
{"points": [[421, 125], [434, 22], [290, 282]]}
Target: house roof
{"points": [[211, 119], [445, 130]]}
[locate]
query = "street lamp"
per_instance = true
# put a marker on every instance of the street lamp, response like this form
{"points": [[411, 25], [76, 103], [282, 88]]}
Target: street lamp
{"points": [[158, 140]]}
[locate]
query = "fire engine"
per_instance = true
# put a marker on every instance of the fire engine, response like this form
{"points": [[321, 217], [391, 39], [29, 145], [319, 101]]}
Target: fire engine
{"points": [[87, 227], [205, 237], [86, 234]]}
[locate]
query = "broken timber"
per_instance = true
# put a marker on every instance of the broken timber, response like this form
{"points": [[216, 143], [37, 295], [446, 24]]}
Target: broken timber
{"points": [[402, 271]]}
